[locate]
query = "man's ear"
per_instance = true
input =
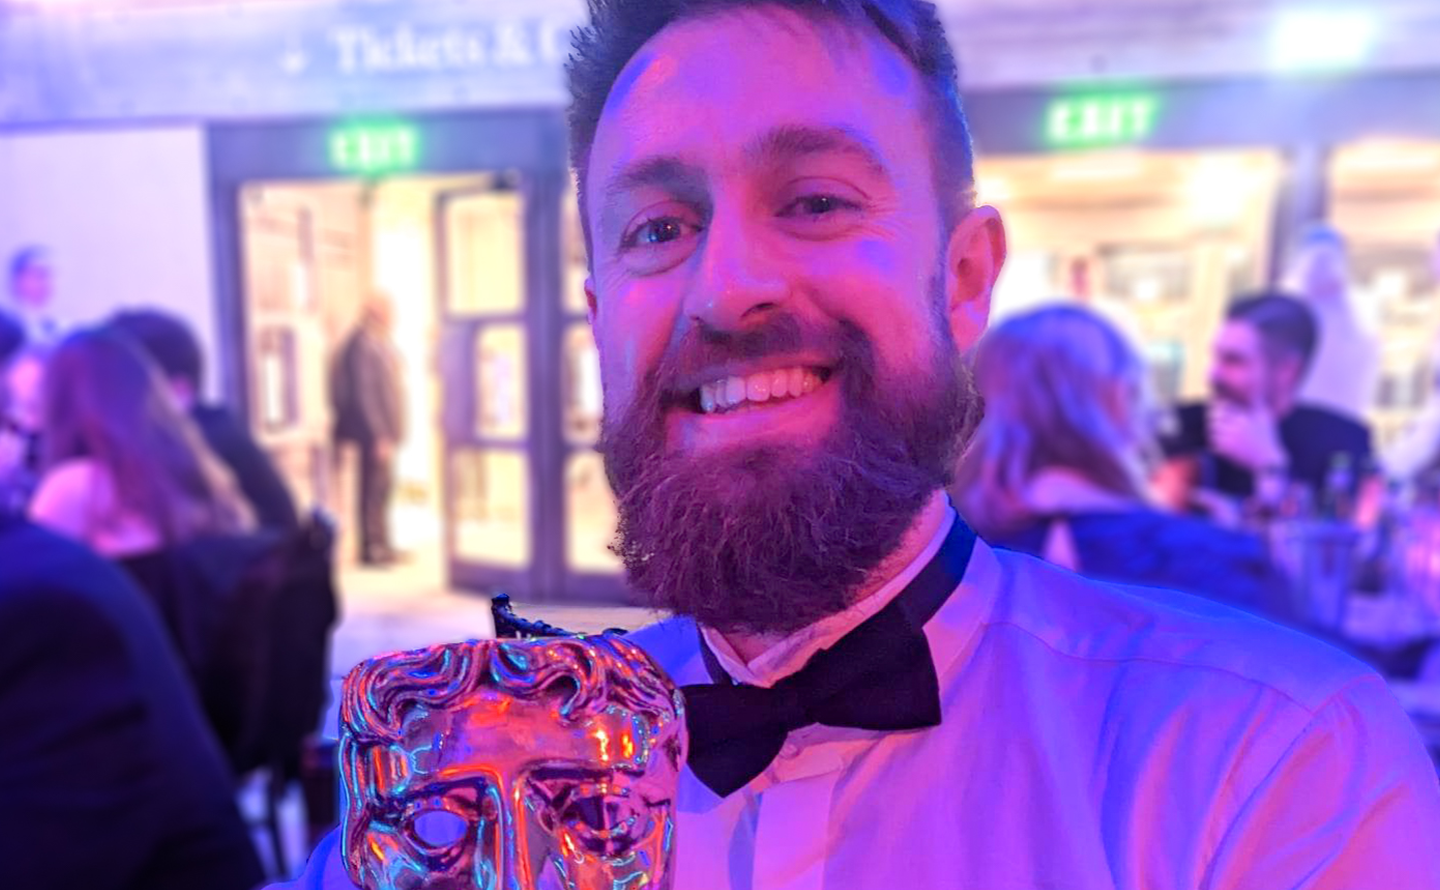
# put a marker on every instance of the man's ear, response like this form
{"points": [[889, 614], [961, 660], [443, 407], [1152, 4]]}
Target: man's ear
{"points": [[1292, 375], [590, 301], [973, 259]]}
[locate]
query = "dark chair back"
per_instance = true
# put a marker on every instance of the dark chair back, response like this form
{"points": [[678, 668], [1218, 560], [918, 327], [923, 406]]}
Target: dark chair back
{"points": [[276, 649], [251, 616]]}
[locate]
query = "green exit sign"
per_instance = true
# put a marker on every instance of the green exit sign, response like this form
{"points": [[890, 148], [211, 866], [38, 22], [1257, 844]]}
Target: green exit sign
{"points": [[372, 149], [1082, 122]]}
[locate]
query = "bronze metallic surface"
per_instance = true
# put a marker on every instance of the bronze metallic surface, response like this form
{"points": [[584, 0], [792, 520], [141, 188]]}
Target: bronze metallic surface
{"points": [[508, 765]]}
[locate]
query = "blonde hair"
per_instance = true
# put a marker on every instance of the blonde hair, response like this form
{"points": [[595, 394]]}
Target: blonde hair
{"points": [[106, 401], [1064, 390]]}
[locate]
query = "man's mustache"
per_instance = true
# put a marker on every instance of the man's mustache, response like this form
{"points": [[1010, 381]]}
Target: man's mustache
{"points": [[691, 359], [1229, 394]]}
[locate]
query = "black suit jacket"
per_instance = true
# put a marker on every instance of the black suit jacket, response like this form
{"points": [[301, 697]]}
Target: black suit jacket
{"points": [[1310, 436], [109, 777], [259, 481], [366, 393]]}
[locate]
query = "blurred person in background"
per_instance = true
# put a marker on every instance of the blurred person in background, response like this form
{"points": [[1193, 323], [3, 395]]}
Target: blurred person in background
{"points": [[14, 443], [12, 336], [32, 294], [1346, 366], [1255, 426], [173, 346], [125, 471], [368, 401], [109, 777], [1058, 467], [22, 377]]}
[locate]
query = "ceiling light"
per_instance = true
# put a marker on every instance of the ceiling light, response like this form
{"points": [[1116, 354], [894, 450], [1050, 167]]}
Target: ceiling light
{"points": [[1322, 39]]}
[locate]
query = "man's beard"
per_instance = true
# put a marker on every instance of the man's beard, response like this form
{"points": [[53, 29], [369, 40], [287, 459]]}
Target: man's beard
{"points": [[771, 538]]}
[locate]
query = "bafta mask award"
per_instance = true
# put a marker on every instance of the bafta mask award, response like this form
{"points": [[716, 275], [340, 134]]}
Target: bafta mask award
{"points": [[511, 765]]}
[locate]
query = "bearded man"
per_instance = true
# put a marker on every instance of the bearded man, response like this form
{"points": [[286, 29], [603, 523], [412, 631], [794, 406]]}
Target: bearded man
{"points": [[787, 268]]}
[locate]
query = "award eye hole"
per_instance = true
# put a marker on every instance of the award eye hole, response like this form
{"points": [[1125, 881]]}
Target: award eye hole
{"points": [[593, 812], [438, 828], [601, 817]]}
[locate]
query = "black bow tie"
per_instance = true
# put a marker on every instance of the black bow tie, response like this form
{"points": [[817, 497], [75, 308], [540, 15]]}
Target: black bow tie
{"points": [[880, 676]]}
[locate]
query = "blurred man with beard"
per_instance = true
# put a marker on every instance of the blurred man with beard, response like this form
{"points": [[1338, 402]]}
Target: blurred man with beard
{"points": [[786, 269], [1254, 425]]}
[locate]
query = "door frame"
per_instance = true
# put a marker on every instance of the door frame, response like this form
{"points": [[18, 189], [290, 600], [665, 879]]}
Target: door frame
{"points": [[529, 142], [462, 402]]}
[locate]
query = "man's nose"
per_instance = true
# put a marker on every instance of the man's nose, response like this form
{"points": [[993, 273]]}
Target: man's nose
{"points": [[739, 282]]}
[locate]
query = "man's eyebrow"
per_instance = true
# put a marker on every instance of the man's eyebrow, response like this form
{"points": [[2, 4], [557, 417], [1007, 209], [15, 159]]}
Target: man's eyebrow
{"points": [[665, 171], [793, 141]]}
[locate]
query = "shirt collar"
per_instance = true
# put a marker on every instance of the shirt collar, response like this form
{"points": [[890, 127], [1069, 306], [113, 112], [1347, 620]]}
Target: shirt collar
{"points": [[791, 653]]}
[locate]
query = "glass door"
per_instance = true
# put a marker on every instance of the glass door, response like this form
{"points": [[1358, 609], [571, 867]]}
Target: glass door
{"points": [[485, 339]]}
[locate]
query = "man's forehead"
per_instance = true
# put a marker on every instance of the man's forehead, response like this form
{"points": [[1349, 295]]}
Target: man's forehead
{"points": [[679, 92], [1238, 337]]}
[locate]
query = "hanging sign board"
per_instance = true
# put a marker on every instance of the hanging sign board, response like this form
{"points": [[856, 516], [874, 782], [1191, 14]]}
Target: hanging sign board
{"points": [[242, 61]]}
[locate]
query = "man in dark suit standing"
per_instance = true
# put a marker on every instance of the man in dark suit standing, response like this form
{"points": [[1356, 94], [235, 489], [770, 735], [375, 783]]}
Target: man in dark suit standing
{"points": [[32, 294], [109, 776], [171, 343], [367, 396]]}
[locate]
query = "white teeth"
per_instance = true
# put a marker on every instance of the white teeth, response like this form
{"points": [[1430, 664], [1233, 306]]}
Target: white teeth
{"points": [[766, 386], [779, 383], [795, 385], [757, 388], [734, 391]]}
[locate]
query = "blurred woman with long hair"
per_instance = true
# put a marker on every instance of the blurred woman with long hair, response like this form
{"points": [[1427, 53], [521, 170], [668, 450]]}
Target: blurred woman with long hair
{"points": [[125, 470], [1059, 465]]}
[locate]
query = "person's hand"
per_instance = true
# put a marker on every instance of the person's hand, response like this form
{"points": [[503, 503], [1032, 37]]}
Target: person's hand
{"points": [[1249, 436], [385, 449], [1221, 509]]}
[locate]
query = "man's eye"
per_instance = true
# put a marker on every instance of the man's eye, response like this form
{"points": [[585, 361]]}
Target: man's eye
{"points": [[817, 205], [660, 230]]}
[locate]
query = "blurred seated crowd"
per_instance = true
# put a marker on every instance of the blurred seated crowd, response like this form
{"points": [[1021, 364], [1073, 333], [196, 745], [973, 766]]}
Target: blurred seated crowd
{"points": [[158, 581], [158, 578]]}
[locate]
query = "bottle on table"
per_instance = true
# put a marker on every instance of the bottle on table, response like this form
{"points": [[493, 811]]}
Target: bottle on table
{"points": [[1337, 498]]}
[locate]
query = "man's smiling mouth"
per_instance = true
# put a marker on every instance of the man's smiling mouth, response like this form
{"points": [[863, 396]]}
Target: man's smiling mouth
{"points": [[731, 394]]}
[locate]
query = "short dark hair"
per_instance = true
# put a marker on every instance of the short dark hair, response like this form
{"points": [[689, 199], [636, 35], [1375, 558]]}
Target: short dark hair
{"points": [[166, 338], [618, 28], [22, 259], [1287, 327]]}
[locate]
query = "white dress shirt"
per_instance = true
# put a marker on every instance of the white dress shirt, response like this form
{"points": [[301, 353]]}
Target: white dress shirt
{"points": [[1093, 737], [41, 328]]}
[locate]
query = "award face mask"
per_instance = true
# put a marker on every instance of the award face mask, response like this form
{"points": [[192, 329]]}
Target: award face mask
{"points": [[537, 765]]}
